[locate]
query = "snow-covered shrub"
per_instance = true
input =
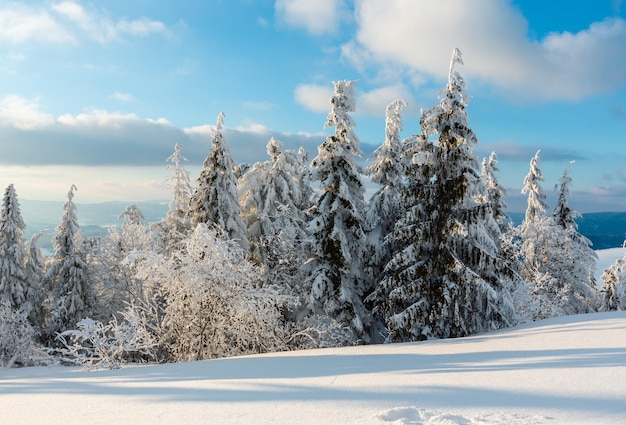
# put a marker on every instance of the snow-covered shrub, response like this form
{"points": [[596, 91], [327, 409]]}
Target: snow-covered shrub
{"points": [[17, 338], [614, 286], [317, 331], [95, 344], [213, 304]]}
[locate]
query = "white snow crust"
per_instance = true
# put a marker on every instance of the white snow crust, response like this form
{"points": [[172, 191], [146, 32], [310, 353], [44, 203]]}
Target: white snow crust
{"points": [[567, 370]]}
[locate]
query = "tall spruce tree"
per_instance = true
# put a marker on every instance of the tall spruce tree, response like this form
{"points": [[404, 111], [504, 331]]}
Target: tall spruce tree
{"points": [[386, 170], [176, 225], [559, 262], [495, 191], [534, 220], [34, 269], [71, 298], [14, 285], [274, 198], [335, 275], [614, 286], [445, 279], [215, 199]]}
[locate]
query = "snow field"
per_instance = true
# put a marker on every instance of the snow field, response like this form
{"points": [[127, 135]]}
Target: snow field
{"points": [[568, 370]]}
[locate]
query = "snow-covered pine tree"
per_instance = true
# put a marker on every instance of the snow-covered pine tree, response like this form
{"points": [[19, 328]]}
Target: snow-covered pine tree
{"points": [[533, 221], [563, 215], [495, 191], [446, 276], [536, 196], [386, 170], [70, 295], [176, 224], [334, 274], [13, 280], [132, 216], [559, 262], [614, 286], [34, 269], [215, 200], [274, 198]]}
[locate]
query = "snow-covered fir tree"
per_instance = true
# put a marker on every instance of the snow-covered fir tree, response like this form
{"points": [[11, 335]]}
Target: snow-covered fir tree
{"points": [[176, 224], [70, 297], [446, 276], [14, 285], [215, 199], [563, 215], [559, 262], [132, 216], [274, 198], [536, 205], [495, 191], [614, 286], [534, 220], [334, 274], [386, 170], [34, 269]]}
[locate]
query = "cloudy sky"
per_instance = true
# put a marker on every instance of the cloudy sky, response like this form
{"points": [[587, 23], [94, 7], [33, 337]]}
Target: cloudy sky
{"points": [[97, 93]]}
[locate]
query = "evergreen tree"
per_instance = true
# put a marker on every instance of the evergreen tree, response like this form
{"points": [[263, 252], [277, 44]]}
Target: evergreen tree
{"points": [[387, 170], [215, 199], [536, 197], [334, 274], [534, 221], [558, 261], [14, 285], [34, 269], [614, 286], [176, 224], [445, 279], [563, 215], [274, 198], [495, 191], [70, 296]]}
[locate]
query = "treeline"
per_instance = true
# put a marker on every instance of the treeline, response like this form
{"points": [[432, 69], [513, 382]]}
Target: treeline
{"points": [[252, 259]]}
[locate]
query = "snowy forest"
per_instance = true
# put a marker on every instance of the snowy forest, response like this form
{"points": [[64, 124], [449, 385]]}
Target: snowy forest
{"points": [[287, 254]]}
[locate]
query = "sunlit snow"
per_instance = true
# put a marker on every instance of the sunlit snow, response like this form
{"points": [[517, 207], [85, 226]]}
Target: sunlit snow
{"points": [[568, 370]]}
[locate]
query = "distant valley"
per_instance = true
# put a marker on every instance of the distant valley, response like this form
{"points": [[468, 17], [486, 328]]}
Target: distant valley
{"points": [[604, 229]]}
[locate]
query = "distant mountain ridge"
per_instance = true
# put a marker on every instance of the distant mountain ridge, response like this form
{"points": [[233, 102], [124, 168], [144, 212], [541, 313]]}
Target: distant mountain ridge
{"points": [[604, 229]]}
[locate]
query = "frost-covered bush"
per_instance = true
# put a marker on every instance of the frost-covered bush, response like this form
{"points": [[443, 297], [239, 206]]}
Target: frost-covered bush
{"points": [[317, 331], [614, 286], [213, 303], [17, 338], [95, 344]]}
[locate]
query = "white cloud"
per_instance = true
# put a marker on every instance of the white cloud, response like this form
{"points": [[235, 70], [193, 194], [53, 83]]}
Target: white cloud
{"points": [[375, 102], [101, 28], [98, 118], [20, 24], [21, 113], [314, 97], [317, 17], [493, 36], [122, 97]]}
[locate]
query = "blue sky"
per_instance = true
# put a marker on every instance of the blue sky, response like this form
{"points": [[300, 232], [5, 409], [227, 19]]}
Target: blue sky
{"points": [[97, 93]]}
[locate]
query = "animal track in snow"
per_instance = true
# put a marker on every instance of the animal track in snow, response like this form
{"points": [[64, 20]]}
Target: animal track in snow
{"points": [[417, 416]]}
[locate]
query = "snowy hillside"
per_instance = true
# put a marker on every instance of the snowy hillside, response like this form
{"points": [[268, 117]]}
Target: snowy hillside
{"points": [[568, 370]]}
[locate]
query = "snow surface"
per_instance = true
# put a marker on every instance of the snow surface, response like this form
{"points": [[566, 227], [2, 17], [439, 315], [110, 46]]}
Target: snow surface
{"points": [[567, 370]]}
